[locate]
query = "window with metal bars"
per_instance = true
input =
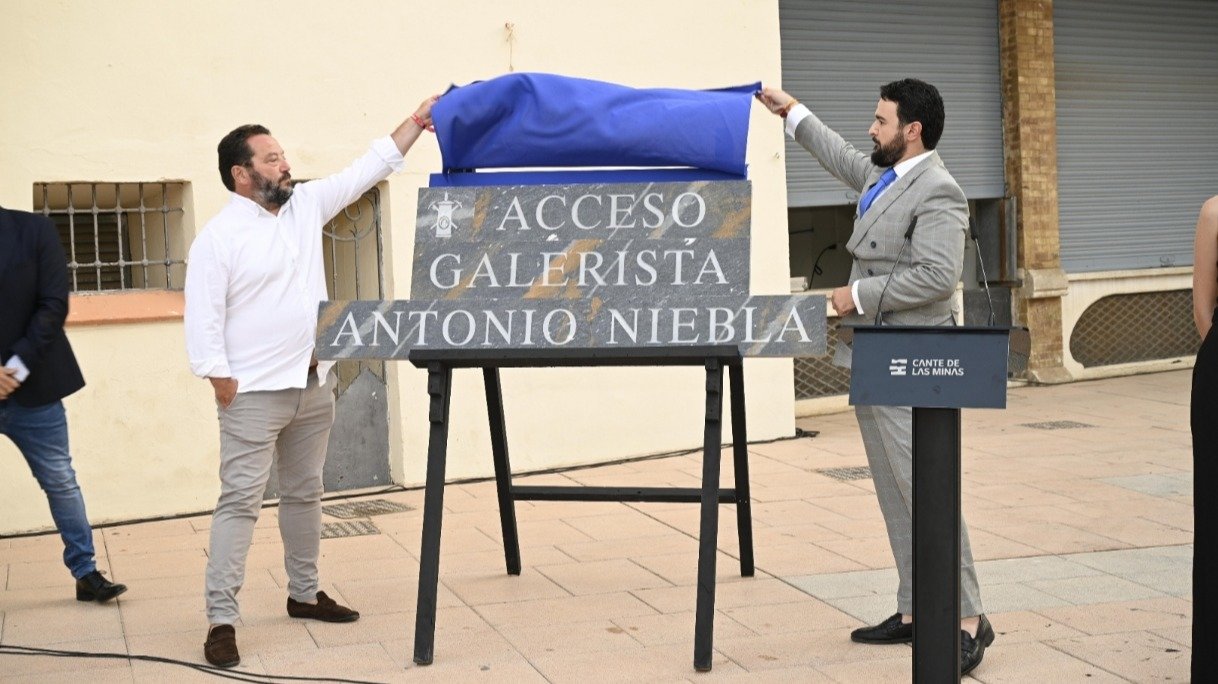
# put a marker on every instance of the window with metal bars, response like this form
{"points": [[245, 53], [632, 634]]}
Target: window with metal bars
{"points": [[119, 236]]}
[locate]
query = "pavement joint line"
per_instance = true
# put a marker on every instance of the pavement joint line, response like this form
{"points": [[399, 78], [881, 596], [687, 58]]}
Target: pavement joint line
{"points": [[1024, 583]]}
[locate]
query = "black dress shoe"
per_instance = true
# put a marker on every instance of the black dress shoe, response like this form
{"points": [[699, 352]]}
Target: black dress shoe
{"points": [[94, 587], [890, 631], [972, 649]]}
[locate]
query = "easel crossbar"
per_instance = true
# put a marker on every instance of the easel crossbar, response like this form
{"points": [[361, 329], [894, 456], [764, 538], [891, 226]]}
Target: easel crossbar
{"points": [[632, 494]]}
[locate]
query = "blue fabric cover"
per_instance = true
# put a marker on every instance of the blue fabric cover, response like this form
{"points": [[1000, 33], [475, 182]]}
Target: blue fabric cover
{"points": [[545, 120], [571, 176]]}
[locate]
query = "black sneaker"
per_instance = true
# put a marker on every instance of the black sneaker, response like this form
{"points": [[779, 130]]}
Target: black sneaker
{"points": [[94, 587]]}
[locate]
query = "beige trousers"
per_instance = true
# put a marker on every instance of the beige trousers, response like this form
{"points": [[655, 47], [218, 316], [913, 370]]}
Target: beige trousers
{"points": [[290, 428]]}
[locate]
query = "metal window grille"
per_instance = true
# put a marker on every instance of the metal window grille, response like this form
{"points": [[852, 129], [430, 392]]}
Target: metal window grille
{"points": [[1143, 326], [353, 250], [118, 236], [816, 376], [354, 255]]}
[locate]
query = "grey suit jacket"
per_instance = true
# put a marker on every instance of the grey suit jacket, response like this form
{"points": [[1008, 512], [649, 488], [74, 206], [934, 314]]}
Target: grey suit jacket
{"points": [[922, 283]]}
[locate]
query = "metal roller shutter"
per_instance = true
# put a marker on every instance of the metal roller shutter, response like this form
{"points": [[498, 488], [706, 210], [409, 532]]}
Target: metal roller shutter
{"points": [[1137, 91], [837, 53]]}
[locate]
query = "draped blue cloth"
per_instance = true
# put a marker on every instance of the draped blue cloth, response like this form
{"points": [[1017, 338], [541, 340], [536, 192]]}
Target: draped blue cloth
{"points": [[545, 120]]}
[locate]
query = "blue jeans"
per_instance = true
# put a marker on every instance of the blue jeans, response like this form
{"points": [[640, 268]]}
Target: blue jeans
{"points": [[41, 433]]}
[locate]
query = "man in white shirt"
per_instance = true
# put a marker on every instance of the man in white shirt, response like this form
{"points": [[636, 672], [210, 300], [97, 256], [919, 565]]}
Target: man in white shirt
{"points": [[908, 279], [253, 285]]}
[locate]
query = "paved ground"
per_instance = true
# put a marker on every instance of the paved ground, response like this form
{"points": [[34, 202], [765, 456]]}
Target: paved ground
{"points": [[1078, 498]]}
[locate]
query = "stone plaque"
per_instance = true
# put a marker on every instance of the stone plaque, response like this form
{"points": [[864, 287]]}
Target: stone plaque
{"points": [[573, 241], [604, 266], [580, 268], [782, 325]]}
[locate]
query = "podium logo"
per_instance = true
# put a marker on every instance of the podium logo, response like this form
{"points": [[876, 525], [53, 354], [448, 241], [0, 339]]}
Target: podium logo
{"points": [[444, 215], [898, 367]]}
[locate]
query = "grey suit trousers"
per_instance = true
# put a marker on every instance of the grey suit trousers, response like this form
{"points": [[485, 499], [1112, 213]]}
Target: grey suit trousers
{"points": [[290, 427], [888, 438]]}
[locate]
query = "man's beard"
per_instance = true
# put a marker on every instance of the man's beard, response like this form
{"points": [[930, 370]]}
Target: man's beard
{"points": [[271, 194], [888, 155]]}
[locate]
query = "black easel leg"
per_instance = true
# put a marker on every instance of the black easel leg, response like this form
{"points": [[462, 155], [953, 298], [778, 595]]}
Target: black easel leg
{"points": [[503, 469], [708, 536], [740, 457], [439, 389], [936, 545]]}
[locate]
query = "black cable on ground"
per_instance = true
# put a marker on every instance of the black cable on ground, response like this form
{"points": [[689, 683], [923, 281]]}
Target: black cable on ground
{"points": [[10, 649]]}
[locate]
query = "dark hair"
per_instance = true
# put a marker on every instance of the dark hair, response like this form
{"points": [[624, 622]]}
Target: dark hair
{"points": [[917, 101], [234, 150]]}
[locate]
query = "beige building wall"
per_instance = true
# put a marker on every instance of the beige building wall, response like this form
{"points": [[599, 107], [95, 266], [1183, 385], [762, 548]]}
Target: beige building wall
{"points": [[138, 90]]}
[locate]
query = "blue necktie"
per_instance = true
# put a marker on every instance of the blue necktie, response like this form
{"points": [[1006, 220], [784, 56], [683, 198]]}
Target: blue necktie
{"points": [[874, 191]]}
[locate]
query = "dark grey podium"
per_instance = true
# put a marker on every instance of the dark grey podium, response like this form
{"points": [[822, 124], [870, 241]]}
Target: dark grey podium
{"points": [[937, 370]]}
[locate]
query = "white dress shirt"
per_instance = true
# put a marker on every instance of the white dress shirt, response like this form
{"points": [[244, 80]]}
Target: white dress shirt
{"points": [[800, 112], [254, 279]]}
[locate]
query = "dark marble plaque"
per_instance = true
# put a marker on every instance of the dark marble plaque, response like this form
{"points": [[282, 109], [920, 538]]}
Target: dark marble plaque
{"points": [[511, 242], [626, 211], [780, 325], [580, 268]]}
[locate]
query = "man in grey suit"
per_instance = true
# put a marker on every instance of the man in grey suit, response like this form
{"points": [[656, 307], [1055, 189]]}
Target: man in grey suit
{"points": [[901, 274]]}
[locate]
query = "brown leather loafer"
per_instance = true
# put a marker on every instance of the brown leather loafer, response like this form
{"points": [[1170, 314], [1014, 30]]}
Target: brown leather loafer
{"points": [[220, 649], [326, 610]]}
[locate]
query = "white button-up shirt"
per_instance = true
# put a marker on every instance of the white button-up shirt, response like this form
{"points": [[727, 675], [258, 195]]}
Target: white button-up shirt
{"points": [[254, 279]]}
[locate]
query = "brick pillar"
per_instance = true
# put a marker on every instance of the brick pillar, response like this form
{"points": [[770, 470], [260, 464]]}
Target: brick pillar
{"points": [[1029, 116]]}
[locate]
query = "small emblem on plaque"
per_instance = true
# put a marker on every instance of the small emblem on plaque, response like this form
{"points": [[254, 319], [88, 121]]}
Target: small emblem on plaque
{"points": [[444, 215], [898, 367]]}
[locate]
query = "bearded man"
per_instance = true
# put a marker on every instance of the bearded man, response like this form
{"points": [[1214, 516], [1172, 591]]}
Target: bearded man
{"points": [[902, 180], [253, 284]]}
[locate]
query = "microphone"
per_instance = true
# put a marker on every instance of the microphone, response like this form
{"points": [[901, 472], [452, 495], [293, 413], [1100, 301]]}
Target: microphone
{"points": [[972, 231], [879, 307]]}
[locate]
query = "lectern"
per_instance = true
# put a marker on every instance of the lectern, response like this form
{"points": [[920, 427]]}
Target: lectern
{"points": [[937, 370]]}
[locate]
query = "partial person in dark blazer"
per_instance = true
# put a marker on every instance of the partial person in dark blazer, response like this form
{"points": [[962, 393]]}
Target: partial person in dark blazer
{"points": [[912, 278], [1203, 407], [38, 371]]}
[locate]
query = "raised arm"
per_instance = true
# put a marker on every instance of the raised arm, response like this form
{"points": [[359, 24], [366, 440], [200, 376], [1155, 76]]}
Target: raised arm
{"points": [[834, 153], [410, 129], [336, 191], [1205, 267]]}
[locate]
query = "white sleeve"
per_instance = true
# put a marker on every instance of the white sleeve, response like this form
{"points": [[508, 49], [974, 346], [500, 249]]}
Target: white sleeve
{"points": [[206, 306], [797, 114], [854, 294], [332, 193]]}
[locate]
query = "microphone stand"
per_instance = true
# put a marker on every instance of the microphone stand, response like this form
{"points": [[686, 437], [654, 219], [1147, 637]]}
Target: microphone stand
{"points": [[972, 231], [879, 307]]}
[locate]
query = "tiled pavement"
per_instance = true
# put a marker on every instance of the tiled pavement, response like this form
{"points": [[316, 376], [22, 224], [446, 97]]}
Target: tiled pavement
{"points": [[1081, 529]]}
